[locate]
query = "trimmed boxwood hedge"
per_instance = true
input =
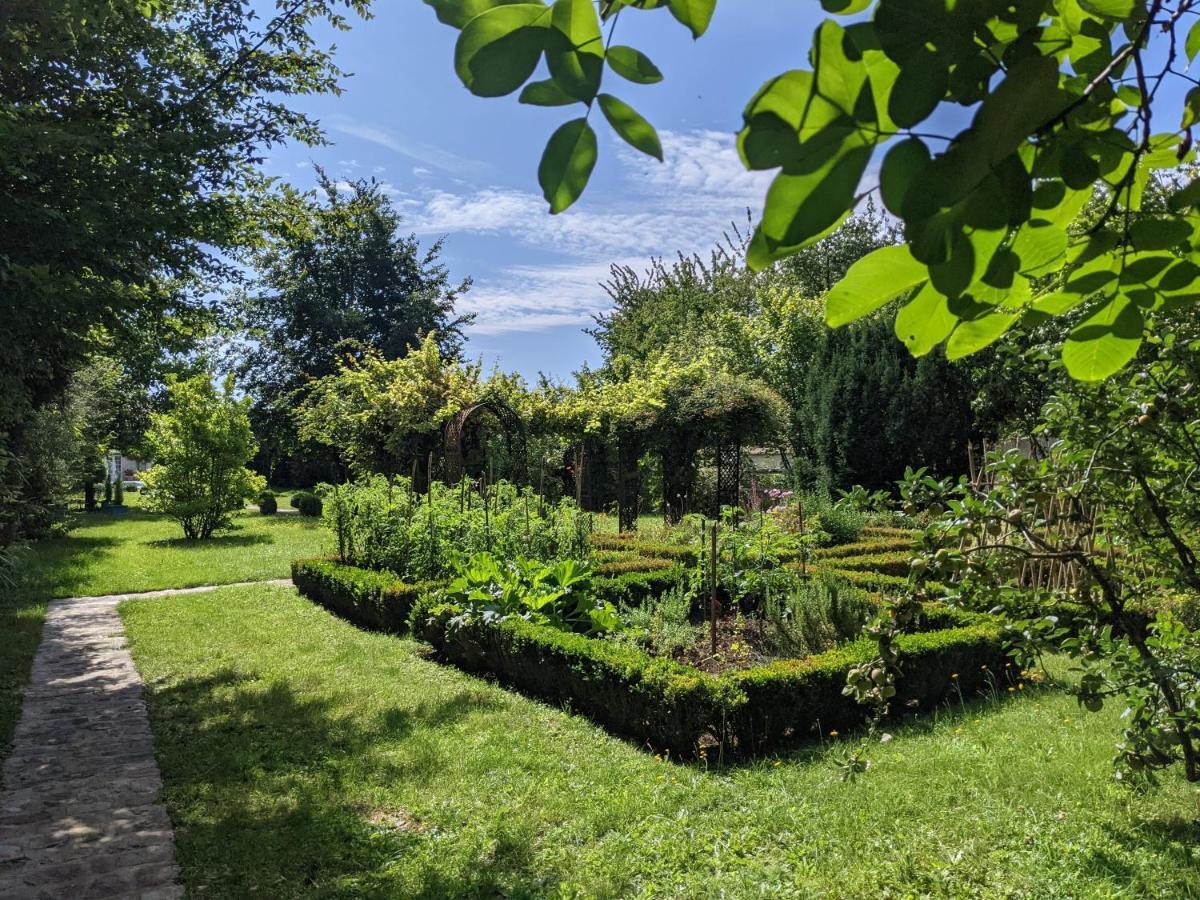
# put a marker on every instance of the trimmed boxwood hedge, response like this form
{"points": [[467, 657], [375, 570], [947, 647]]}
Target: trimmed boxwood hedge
{"points": [[668, 705], [677, 708], [632, 564], [629, 541], [372, 599], [889, 531], [637, 586], [791, 700], [869, 546], [894, 564]]}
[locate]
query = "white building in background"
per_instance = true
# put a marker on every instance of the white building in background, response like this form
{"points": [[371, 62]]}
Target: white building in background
{"points": [[126, 469]]}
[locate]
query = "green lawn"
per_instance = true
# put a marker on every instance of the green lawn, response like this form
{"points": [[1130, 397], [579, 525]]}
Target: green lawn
{"points": [[303, 757], [141, 551]]}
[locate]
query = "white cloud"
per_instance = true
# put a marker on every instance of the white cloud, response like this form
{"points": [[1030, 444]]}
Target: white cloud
{"points": [[422, 153], [686, 204], [533, 298], [697, 167]]}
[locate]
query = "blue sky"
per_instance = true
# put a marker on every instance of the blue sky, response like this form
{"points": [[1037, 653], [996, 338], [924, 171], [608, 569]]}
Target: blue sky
{"points": [[465, 168]]}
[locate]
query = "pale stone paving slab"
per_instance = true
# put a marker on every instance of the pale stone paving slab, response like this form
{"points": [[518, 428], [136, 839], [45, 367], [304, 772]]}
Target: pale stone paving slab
{"points": [[79, 812]]}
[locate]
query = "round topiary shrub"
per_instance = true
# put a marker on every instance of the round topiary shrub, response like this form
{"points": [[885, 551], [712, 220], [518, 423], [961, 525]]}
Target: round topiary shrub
{"points": [[267, 504], [308, 504]]}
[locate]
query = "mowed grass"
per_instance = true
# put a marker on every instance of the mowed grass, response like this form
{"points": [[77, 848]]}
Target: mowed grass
{"points": [[303, 757], [141, 551], [144, 551]]}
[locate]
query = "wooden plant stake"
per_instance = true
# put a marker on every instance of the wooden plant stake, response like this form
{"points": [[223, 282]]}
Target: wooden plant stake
{"points": [[712, 594]]}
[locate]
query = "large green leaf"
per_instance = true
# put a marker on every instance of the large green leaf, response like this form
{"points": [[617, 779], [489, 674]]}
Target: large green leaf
{"points": [[919, 88], [1040, 248], [1112, 9], [1023, 102], [1105, 341], [1160, 233], [545, 93], [633, 65], [695, 14], [458, 13], [924, 321], [626, 122], [901, 165], [575, 48], [801, 209], [971, 337], [870, 283], [498, 50], [845, 7], [800, 120], [567, 163], [1192, 44]]}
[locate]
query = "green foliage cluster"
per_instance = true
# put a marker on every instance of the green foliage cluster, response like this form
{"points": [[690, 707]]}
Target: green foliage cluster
{"points": [[307, 504], [483, 588], [384, 415], [201, 446], [816, 615], [267, 504], [856, 406], [993, 125], [386, 524], [660, 625], [133, 135], [333, 278], [1112, 499]]}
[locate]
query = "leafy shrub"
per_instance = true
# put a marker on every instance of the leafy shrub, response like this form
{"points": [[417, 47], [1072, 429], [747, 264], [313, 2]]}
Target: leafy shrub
{"points": [[382, 525], [558, 595], [307, 503], [661, 625], [816, 615], [267, 504], [201, 447], [842, 522], [119, 492]]}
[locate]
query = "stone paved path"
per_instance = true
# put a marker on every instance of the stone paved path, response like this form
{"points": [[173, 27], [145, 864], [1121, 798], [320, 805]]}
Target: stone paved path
{"points": [[79, 813]]}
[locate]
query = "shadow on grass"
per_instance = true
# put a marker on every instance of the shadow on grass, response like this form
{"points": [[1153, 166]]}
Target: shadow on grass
{"points": [[1171, 840], [231, 538], [63, 567], [266, 788], [21, 616]]}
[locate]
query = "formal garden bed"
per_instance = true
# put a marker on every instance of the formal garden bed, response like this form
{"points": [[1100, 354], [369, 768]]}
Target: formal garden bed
{"points": [[650, 635]]}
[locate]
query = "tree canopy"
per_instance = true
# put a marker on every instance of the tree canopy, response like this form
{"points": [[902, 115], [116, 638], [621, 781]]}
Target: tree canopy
{"points": [[131, 141], [333, 276]]}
